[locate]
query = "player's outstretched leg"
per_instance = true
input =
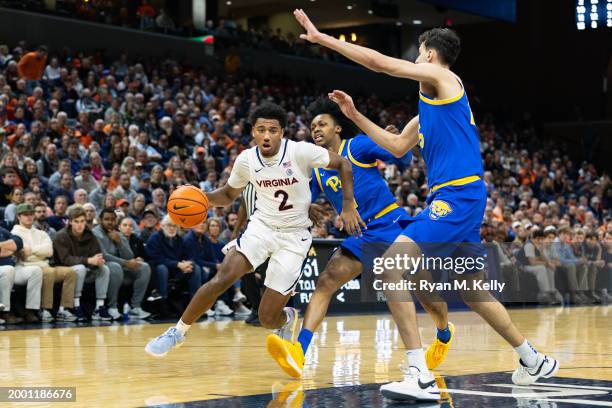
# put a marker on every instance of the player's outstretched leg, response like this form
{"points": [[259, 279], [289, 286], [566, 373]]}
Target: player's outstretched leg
{"points": [[234, 266], [532, 364]]}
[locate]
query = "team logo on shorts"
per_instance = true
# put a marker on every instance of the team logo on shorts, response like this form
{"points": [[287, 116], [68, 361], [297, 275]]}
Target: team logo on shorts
{"points": [[289, 172], [438, 209]]}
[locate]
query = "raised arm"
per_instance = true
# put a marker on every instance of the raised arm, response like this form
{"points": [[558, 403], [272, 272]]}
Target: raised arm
{"points": [[398, 145], [371, 59]]}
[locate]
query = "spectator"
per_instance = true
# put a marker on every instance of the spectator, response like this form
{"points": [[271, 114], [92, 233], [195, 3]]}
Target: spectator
{"points": [[137, 245], [121, 261], [9, 211], [574, 269], [90, 215], [168, 254], [97, 195], [85, 180], [40, 220], [59, 219], [125, 190], [76, 246], [149, 224], [37, 250], [536, 263], [31, 67], [9, 275], [9, 179]]}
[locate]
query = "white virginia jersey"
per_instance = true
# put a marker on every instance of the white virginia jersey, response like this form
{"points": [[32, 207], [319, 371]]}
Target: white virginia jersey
{"points": [[282, 189]]}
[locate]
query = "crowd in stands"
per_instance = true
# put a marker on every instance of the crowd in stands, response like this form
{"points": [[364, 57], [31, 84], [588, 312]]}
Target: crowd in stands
{"points": [[144, 16], [90, 149]]}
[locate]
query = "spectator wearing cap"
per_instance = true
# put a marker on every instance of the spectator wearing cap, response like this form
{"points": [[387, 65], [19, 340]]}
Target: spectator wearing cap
{"points": [[76, 246], [37, 250], [170, 259], [149, 223], [85, 180], [123, 206], [136, 175], [9, 245], [144, 187], [121, 261], [125, 190]]}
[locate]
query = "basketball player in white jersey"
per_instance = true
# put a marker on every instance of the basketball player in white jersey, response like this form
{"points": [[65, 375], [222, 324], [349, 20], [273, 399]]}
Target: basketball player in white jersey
{"points": [[280, 170]]}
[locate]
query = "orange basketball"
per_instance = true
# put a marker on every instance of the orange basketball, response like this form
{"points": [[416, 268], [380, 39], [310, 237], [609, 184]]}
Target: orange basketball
{"points": [[188, 206]]}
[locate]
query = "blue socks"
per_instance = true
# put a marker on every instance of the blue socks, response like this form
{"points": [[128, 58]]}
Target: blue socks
{"points": [[304, 338], [444, 335]]}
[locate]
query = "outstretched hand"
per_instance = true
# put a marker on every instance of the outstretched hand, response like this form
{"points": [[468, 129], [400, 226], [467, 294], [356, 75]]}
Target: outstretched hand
{"points": [[345, 102], [312, 34]]}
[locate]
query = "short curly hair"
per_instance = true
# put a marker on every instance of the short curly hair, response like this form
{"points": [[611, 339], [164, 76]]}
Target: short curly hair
{"points": [[268, 110], [325, 106], [445, 41]]}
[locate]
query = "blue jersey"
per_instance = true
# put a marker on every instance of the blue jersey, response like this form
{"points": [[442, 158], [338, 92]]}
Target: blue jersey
{"points": [[448, 139], [371, 192]]}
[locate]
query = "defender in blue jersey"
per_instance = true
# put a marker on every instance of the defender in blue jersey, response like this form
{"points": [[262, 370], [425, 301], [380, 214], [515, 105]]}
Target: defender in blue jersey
{"points": [[446, 132], [384, 219]]}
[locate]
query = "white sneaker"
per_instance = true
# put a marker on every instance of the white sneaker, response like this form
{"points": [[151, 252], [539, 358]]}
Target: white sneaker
{"points": [[210, 313], [221, 309], [46, 316], [65, 316], [2, 307], [288, 330], [242, 310], [138, 313], [239, 297], [416, 386], [114, 313], [545, 367]]}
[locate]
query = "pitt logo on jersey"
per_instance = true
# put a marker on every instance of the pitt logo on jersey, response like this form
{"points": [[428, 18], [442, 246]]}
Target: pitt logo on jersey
{"points": [[334, 183], [277, 182], [438, 209]]}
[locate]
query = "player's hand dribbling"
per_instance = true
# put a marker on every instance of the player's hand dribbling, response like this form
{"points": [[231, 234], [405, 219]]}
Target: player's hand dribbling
{"points": [[316, 213], [345, 103], [352, 222], [312, 34]]}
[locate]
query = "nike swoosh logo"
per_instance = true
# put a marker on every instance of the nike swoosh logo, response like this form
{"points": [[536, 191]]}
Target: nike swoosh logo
{"points": [[426, 385], [180, 207], [304, 239], [395, 220], [257, 171]]}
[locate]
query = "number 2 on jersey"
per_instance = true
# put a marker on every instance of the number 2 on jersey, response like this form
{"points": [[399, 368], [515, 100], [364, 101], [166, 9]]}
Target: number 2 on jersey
{"points": [[283, 205]]}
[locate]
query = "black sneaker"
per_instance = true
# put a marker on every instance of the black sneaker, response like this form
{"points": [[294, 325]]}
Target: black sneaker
{"points": [[101, 314], [253, 319], [80, 314], [154, 296]]}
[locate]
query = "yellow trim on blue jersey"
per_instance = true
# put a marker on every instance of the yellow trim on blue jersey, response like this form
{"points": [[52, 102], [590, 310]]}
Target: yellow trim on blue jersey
{"points": [[441, 101], [355, 162], [386, 210], [457, 182], [319, 179], [341, 146]]}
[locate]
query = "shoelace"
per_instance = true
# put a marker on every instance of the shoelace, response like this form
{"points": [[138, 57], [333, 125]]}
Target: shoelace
{"points": [[409, 371]]}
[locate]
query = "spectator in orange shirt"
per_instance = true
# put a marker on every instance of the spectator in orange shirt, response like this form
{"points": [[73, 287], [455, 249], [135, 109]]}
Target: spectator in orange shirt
{"points": [[146, 12], [31, 67]]}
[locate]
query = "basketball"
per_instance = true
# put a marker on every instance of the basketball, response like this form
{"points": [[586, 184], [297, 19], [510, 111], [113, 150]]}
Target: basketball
{"points": [[188, 206]]}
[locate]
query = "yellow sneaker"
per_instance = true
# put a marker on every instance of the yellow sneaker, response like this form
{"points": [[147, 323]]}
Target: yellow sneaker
{"points": [[289, 356], [437, 351]]}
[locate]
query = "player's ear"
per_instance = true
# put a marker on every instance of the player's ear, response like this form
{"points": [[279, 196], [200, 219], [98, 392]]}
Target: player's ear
{"points": [[338, 129]]}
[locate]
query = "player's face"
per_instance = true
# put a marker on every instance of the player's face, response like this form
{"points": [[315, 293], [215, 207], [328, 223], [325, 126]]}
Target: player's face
{"points": [[324, 130], [267, 134]]}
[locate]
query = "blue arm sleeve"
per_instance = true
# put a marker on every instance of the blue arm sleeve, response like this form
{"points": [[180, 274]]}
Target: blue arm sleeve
{"points": [[364, 150]]}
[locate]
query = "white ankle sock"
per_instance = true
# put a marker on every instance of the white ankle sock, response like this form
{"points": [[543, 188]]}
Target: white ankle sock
{"points": [[528, 354], [77, 301], [416, 358], [182, 327], [99, 303], [61, 309]]}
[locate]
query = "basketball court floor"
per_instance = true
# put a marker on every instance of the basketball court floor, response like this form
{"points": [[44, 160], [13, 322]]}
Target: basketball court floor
{"points": [[224, 363]]}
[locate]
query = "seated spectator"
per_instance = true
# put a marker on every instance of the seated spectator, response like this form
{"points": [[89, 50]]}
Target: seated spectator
{"points": [[9, 180], [30, 276], [37, 250], [59, 219], [65, 188], [536, 263], [137, 245], [85, 180], [168, 255], [121, 261], [96, 196], [80, 197], [149, 223], [90, 215], [125, 190], [9, 211], [62, 168], [136, 211], [40, 220], [76, 246]]}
